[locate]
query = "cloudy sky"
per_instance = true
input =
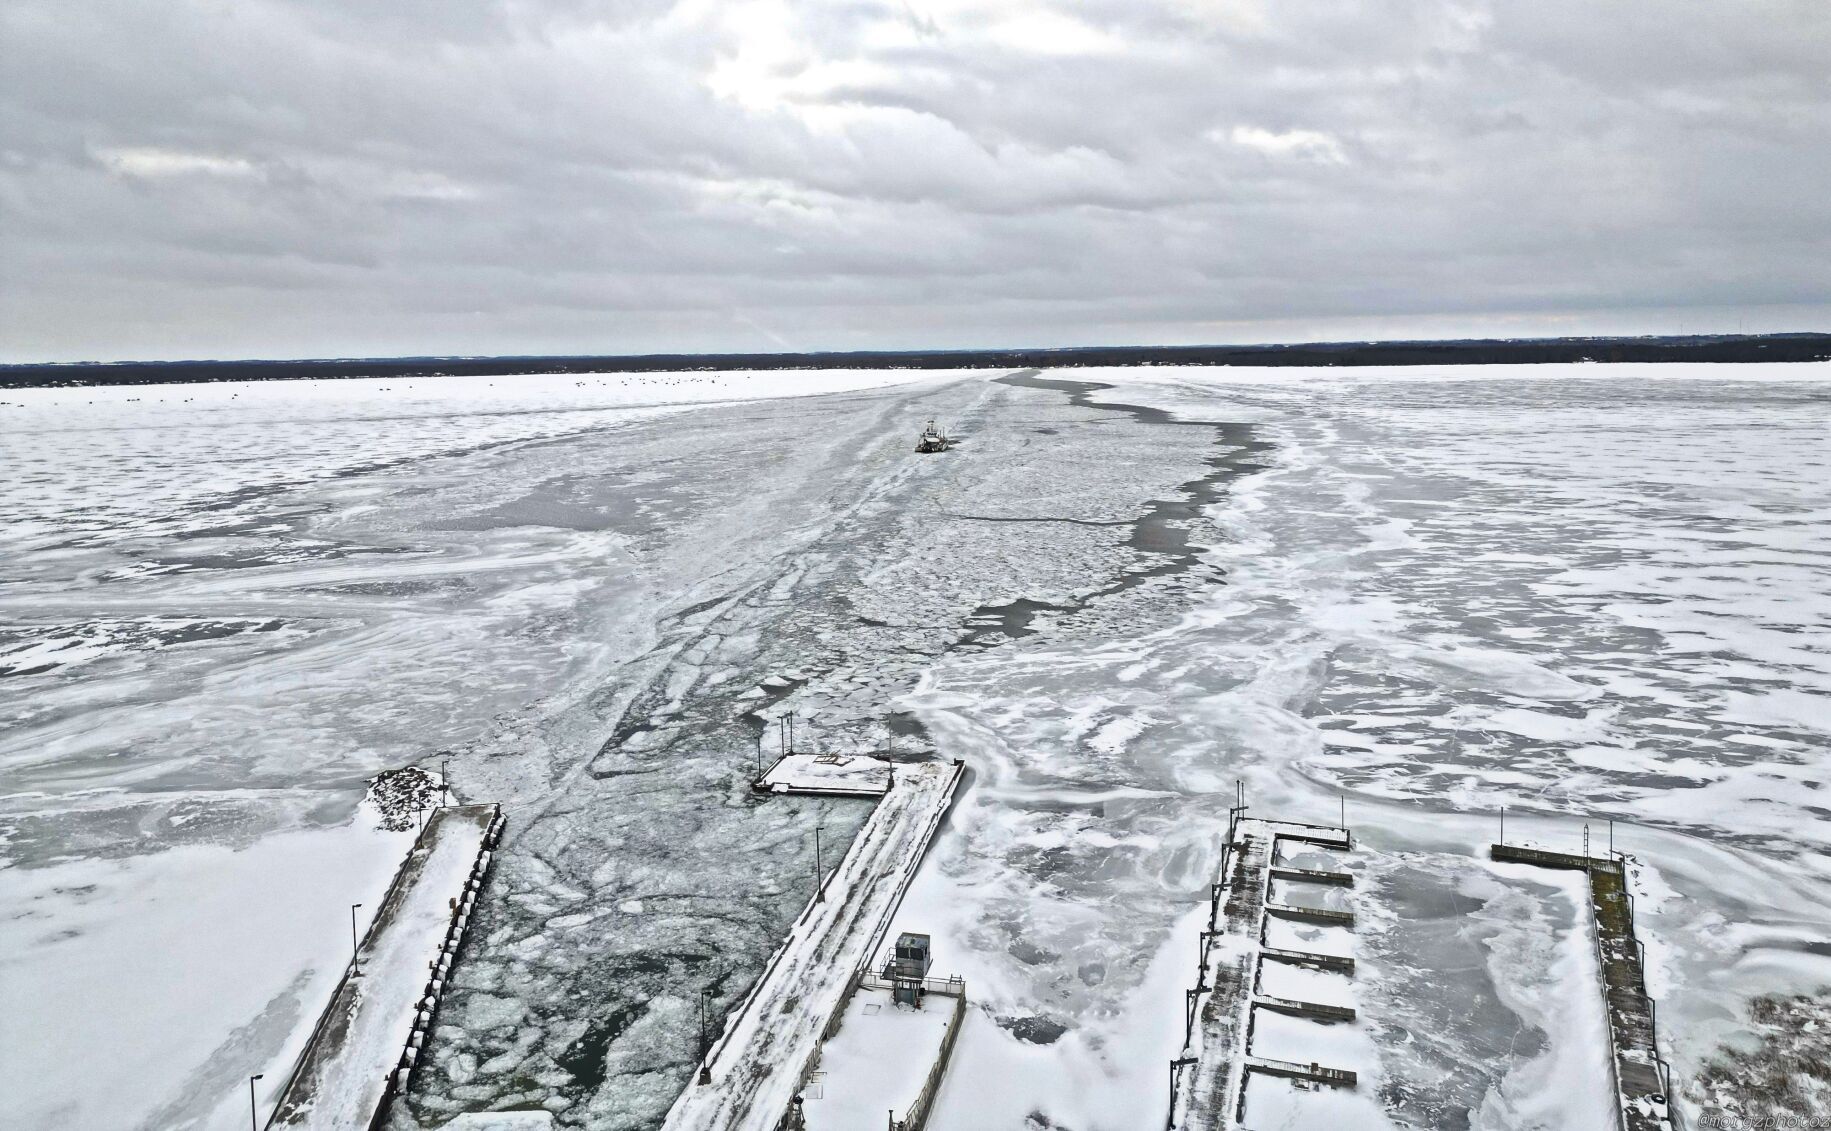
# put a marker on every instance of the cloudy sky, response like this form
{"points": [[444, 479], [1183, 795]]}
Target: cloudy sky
{"points": [[236, 178]]}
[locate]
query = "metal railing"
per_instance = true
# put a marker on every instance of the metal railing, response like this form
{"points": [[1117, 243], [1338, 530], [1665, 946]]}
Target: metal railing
{"points": [[953, 986]]}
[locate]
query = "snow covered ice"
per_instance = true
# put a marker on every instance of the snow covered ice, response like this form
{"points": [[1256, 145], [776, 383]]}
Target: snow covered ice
{"points": [[1580, 592]]}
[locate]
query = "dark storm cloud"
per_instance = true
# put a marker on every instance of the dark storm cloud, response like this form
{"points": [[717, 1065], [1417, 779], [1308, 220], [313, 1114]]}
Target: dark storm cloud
{"points": [[207, 177]]}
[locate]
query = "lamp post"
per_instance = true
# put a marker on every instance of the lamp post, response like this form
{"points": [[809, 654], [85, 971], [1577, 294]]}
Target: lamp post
{"points": [[355, 950], [254, 1119], [705, 1046]]}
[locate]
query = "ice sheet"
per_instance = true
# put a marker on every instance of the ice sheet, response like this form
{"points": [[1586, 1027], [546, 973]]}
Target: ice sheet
{"points": [[1578, 591]]}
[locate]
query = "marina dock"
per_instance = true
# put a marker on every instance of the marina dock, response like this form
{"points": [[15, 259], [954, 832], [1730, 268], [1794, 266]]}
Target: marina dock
{"points": [[1271, 952]]}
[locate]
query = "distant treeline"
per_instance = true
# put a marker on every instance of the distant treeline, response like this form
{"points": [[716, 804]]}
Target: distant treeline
{"points": [[1527, 351]]}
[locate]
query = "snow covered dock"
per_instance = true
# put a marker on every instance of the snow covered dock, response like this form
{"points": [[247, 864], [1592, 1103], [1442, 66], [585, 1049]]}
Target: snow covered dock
{"points": [[1274, 986], [885, 1058], [370, 1034], [1640, 1076], [751, 1076], [831, 775]]}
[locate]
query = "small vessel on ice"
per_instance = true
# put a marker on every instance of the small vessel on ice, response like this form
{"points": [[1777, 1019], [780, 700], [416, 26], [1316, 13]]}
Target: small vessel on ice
{"points": [[932, 439]]}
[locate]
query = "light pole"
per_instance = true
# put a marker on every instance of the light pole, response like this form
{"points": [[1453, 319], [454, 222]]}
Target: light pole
{"points": [[705, 1046], [355, 952], [254, 1119], [819, 888]]}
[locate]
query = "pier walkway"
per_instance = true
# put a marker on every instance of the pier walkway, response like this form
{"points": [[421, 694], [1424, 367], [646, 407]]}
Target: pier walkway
{"points": [[369, 1036], [1641, 1077], [750, 1077]]}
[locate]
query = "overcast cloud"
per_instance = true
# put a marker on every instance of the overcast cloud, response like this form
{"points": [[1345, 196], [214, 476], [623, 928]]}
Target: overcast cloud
{"points": [[231, 178]]}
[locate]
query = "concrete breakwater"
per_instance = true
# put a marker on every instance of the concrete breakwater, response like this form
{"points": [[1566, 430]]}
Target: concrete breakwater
{"points": [[368, 1040]]}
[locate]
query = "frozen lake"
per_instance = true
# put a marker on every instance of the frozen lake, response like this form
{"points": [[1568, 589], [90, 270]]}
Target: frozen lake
{"points": [[1579, 592]]}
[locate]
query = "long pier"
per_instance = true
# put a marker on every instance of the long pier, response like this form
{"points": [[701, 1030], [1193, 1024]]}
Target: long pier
{"points": [[1641, 1077], [749, 1079], [366, 1043]]}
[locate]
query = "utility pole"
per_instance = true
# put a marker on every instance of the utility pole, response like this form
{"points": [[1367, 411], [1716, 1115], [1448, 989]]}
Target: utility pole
{"points": [[791, 732], [445, 779], [819, 888], [355, 953], [254, 1119]]}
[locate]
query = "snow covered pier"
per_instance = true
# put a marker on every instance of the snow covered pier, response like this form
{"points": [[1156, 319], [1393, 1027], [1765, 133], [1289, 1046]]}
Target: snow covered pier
{"points": [[1641, 1078], [828, 775], [885, 1057], [751, 1076], [366, 1043], [1275, 977]]}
